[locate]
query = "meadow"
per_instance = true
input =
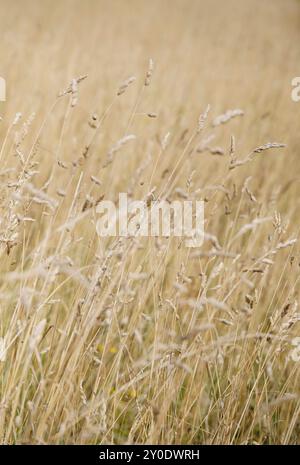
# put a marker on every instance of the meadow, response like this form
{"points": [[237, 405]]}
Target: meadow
{"points": [[142, 340]]}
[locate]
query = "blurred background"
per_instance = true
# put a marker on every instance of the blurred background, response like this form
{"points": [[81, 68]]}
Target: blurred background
{"points": [[229, 54]]}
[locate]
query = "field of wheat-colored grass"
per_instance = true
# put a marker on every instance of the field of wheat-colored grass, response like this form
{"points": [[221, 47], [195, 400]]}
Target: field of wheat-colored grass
{"points": [[143, 340]]}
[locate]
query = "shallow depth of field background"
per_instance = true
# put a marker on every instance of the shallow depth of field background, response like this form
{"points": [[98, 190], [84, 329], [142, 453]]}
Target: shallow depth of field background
{"points": [[146, 341]]}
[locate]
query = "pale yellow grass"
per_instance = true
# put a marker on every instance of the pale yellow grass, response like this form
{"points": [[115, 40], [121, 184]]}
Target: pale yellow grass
{"points": [[144, 340]]}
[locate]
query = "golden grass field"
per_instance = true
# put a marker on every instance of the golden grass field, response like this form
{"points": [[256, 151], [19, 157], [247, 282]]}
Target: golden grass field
{"points": [[143, 340]]}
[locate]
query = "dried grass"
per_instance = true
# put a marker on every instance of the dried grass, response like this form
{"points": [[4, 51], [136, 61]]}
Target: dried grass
{"points": [[141, 340]]}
